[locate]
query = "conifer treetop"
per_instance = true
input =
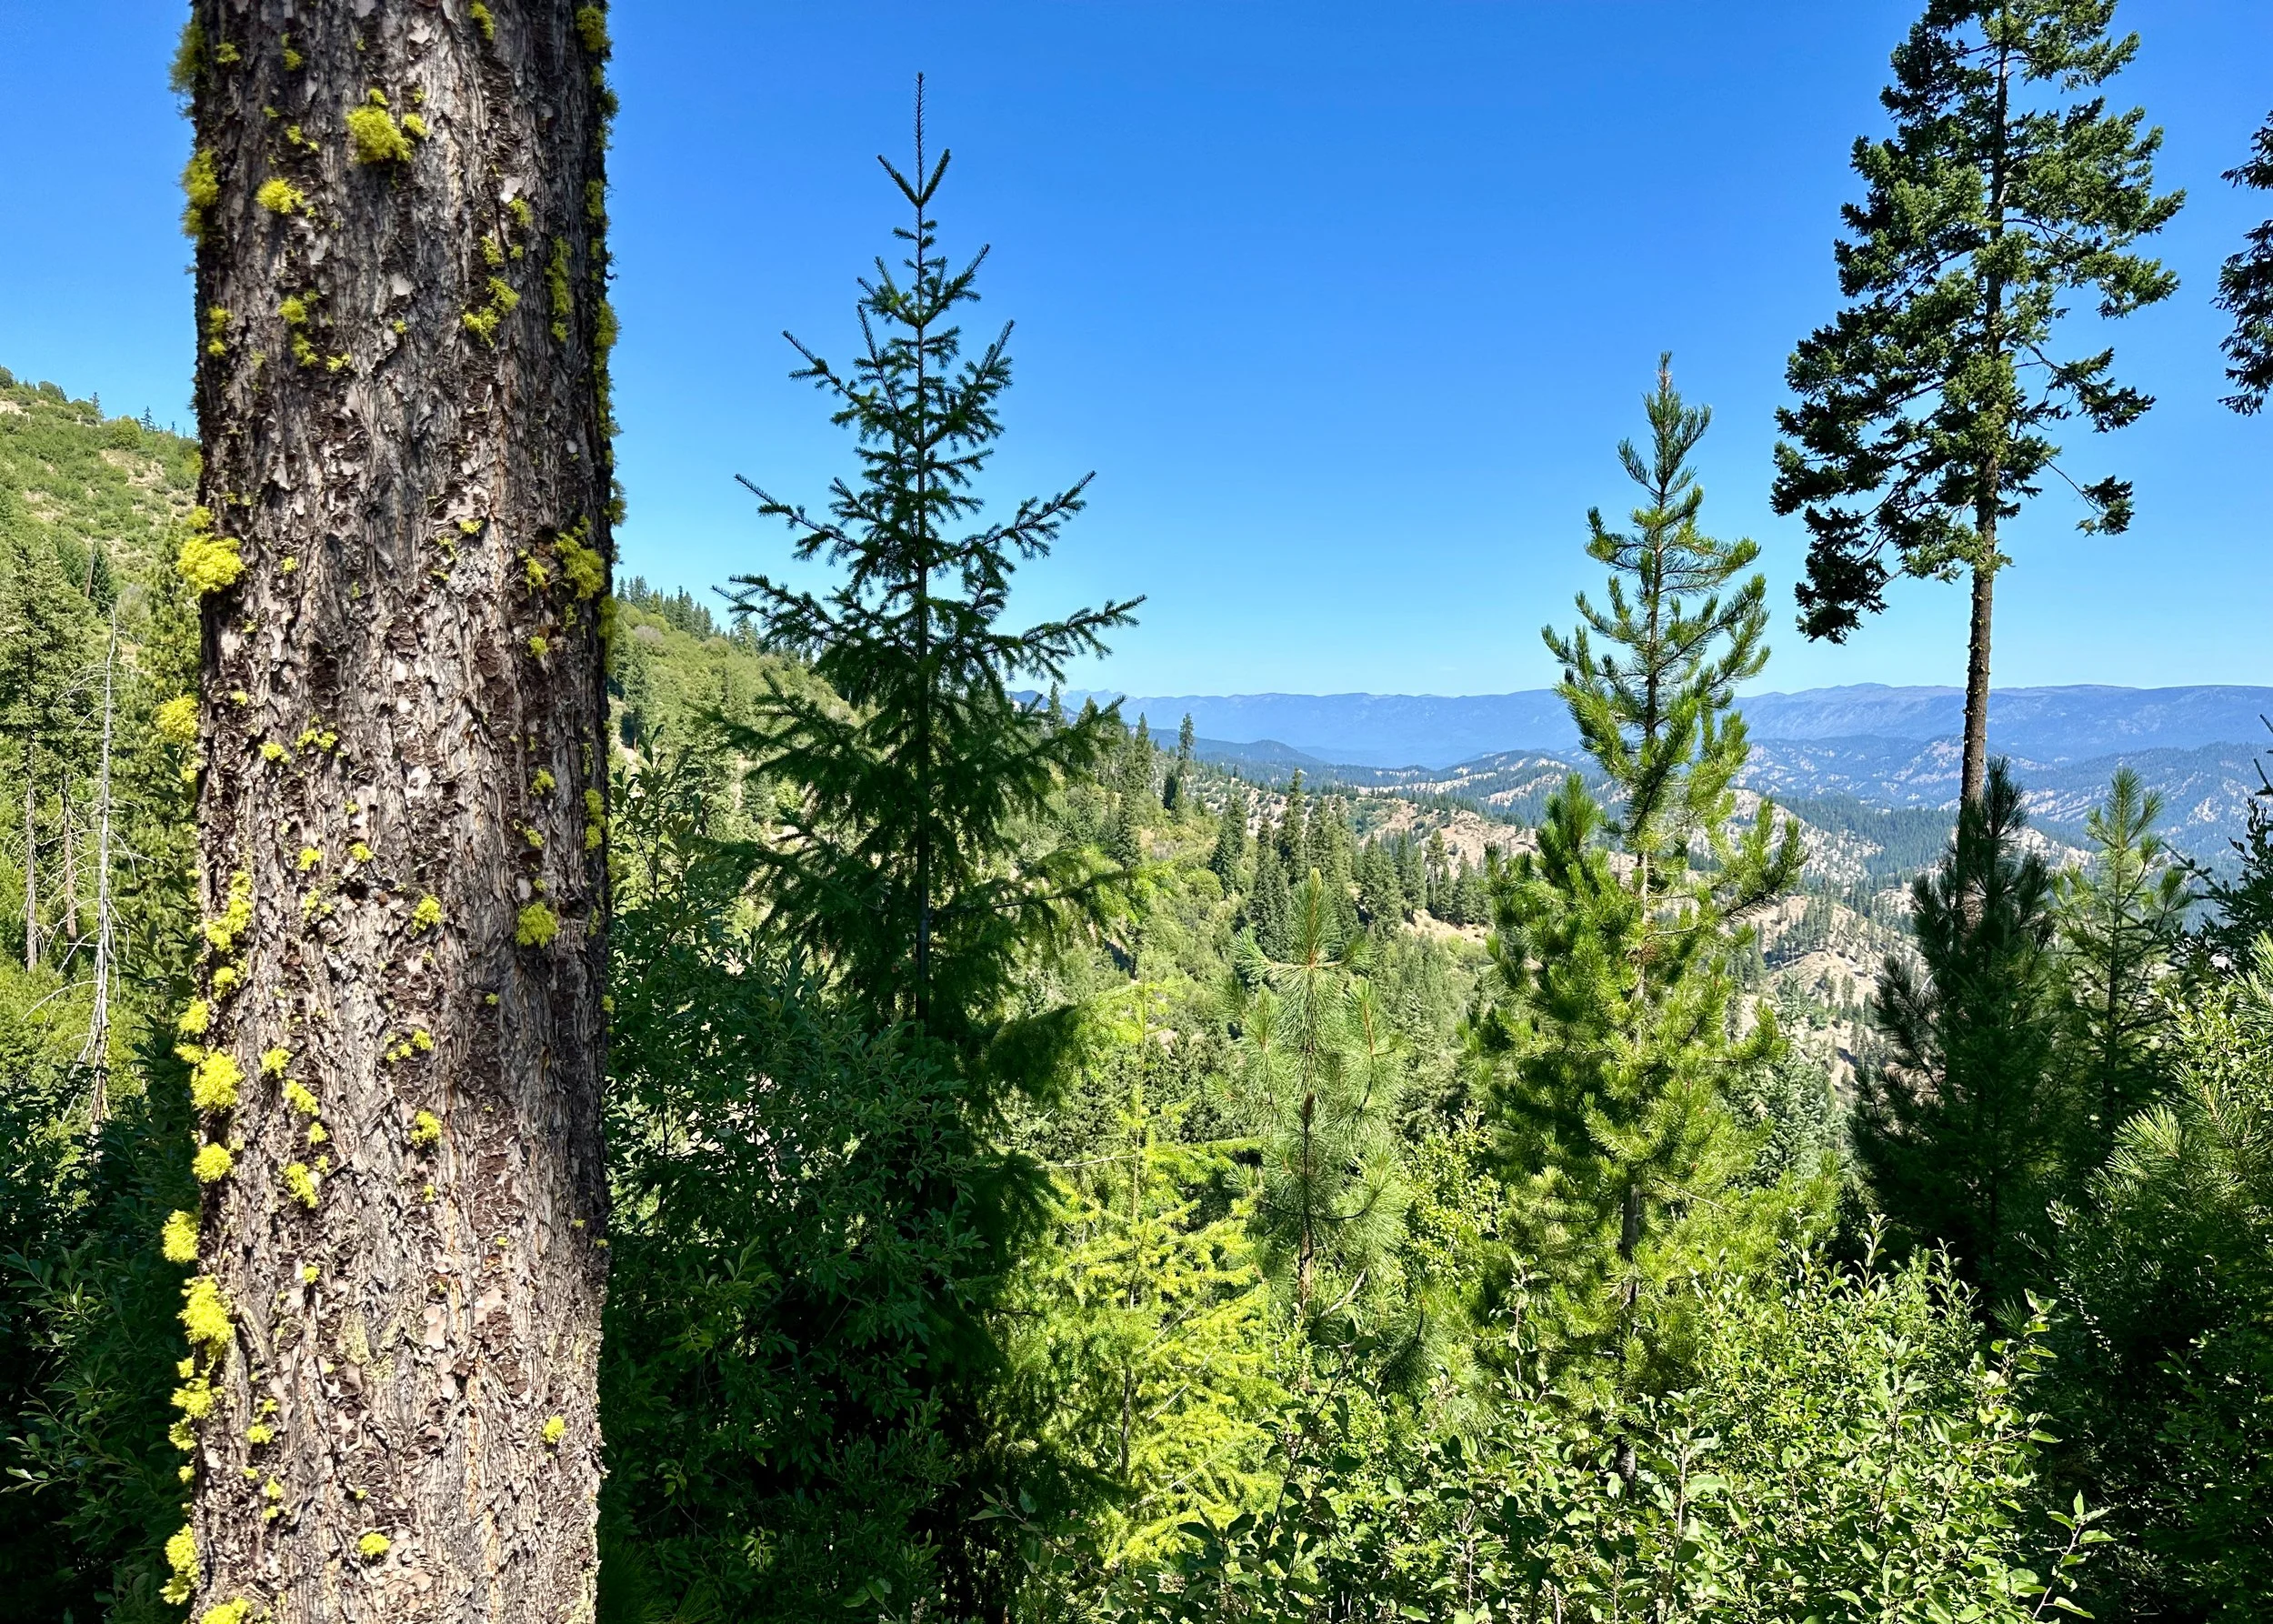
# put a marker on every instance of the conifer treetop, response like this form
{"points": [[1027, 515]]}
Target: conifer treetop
{"points": [[1929, 405]]}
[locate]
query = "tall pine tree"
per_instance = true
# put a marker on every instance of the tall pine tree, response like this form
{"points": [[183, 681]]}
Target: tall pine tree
{"points": [[1928, 406]]}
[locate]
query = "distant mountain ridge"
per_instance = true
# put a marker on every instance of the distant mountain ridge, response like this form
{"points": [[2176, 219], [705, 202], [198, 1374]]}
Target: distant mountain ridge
{"points": [[2042, 725]]}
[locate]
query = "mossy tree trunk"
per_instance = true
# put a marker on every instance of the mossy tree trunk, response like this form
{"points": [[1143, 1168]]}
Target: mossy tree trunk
{"points": [[395, 1320]]}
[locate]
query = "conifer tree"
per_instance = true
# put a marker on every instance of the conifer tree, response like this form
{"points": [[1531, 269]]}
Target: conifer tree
{"points": [[910, 873], [1321, 1069], [1269, 905], [2241, 903], [1654, 703], [1412, 871], [1154, 1313], [1172, 794], [1961, 1134], [2121, 920], [1378, 890], [2245, 290], [40, 645], [1439, 872], [1928, 406], [1122, 842], [905, 872], [402, 553], [1292, 841], [1229, 860], [1611, 1031]]}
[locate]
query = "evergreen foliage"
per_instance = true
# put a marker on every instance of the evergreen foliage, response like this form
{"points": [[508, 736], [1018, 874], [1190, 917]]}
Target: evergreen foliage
{"points": [[2165, 1396], [1153, 1323], [2122, 921], [905, 871], [2240, 904], [1612, 1036], [2245, 289], [805, 1250], [1962, 1134], [1928, 406], [1321, 1074], [1039, 1197]]}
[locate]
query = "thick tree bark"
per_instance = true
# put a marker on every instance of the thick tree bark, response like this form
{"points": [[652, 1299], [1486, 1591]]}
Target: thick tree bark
{"points": [[401, 392], [1976, 673]]}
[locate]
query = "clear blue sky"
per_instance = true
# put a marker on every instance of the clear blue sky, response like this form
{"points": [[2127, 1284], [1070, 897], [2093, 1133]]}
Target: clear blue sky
{"points": [[1347, 304]]}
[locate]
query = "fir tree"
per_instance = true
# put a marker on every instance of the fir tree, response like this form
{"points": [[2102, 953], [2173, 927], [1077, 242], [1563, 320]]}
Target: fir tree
{"points": [[1293, 834], [1269, 906], [1926, 407], [1172, 794], [1961, 1134], [1379, 894], [1136, 766], [1470, 904], [1227, 862], [1122, 840], [1412, 871], [1332, 858], [2241, 903], [906, 870], [2245, 290], [910, 870]]}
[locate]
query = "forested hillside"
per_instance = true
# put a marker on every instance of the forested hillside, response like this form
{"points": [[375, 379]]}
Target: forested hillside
{"points": [[1289, 1284], [529, 1096]]}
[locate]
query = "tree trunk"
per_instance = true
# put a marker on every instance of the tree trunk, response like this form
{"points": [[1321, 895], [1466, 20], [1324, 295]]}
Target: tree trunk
{"points": [[401, 392], [68, 925], [95, 1054], [31, 861], [1977, 672]]}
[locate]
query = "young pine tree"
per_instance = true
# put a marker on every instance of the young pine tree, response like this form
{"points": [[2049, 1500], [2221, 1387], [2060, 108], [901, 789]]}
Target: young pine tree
{"points": [[906, 871], [2122, 921], [1322, 1072], [1927, 405], [2245, 290], [1611, 1034], [2166, 1341], [1961, 1134]]}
